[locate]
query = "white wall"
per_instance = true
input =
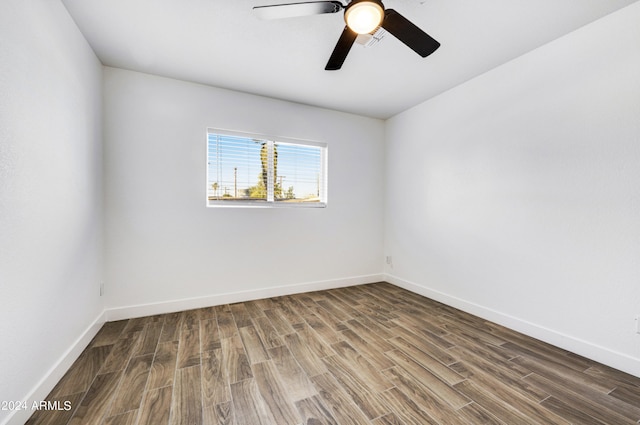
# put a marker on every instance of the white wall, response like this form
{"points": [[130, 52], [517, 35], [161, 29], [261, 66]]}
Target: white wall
{"points": [[50, 196], [163, 244], [516, 196]]}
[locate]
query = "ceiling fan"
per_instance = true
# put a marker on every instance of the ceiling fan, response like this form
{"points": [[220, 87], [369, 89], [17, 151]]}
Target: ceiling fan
{"points": [[361, 17]]}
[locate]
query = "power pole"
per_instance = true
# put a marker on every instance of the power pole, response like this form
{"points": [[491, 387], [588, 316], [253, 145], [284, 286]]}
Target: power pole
{"points": [[235, 182]]}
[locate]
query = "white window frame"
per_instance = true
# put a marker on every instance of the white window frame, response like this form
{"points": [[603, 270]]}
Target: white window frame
{"points": [[270, 201]]}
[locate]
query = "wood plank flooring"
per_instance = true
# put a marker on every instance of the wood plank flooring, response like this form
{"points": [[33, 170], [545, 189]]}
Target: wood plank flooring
{"points": [[372, 354]]}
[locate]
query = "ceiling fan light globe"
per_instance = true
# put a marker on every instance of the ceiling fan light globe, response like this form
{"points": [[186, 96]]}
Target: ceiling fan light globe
{"points": [[363, 17]]}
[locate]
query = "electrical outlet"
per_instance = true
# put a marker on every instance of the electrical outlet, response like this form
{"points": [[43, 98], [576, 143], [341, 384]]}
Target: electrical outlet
{"points": [[638, 324], [389, 260], [101, 288]]}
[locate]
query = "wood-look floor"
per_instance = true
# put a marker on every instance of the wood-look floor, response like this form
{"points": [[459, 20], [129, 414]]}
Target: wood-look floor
{"points": [[372, 354]]}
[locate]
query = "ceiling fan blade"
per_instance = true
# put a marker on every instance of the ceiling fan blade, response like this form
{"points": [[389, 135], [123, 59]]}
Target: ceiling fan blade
{"points": [[290, 10], [405, 31], [341, 50]]}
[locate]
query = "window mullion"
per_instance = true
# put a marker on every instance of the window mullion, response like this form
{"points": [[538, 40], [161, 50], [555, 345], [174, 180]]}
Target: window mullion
{"points": [[270, 171]]}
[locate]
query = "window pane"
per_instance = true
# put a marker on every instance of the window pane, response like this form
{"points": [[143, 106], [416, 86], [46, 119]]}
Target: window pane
{"points": [[298, 173], [234, 168]]}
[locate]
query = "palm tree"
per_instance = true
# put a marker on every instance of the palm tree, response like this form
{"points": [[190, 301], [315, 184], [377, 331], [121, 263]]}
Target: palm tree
{"points": [[264, 160]]}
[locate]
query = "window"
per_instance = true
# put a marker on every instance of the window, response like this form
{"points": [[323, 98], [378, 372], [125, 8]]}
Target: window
{"points": [[255, 170]]}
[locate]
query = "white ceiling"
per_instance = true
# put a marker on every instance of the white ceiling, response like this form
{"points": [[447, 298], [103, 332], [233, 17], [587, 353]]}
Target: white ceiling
{"points": [[220, 43]]}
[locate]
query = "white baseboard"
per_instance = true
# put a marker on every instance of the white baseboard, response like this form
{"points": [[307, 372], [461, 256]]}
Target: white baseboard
{"points": [[142, 310], [42, 389], [592, 351]]}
